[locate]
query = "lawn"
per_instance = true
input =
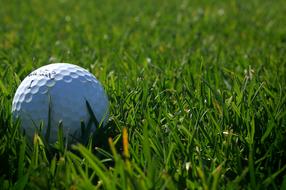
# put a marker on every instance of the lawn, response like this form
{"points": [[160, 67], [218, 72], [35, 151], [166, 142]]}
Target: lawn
{"points": [[196, 91]]}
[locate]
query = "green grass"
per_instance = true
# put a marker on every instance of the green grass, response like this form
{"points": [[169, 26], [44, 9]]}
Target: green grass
{"points": [[196, 90]]}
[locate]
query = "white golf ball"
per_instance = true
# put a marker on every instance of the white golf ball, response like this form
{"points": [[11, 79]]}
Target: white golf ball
{"points": [[58, 93]]}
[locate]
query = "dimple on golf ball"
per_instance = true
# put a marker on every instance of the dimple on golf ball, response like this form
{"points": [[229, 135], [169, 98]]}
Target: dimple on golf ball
{"points": [[59, 92]]}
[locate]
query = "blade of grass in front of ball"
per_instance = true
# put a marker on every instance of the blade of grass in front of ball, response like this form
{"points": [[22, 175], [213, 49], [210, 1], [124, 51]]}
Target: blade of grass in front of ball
{"points": [[60, 137], [47, 135], [92, 115]]}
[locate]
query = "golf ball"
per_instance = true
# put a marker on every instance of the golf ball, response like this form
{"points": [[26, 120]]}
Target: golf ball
{"points": [[60, 92]]}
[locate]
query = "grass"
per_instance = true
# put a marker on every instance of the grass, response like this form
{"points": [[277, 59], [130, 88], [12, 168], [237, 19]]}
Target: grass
{"points": [[196, 90]]}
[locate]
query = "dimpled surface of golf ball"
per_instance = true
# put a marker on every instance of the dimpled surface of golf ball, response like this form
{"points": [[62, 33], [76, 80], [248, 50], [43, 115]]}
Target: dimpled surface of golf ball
{"points": [[59, 92]]}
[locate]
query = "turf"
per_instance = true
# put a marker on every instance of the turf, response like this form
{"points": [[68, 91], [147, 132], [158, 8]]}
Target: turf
{"points": [[196, 90]]}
